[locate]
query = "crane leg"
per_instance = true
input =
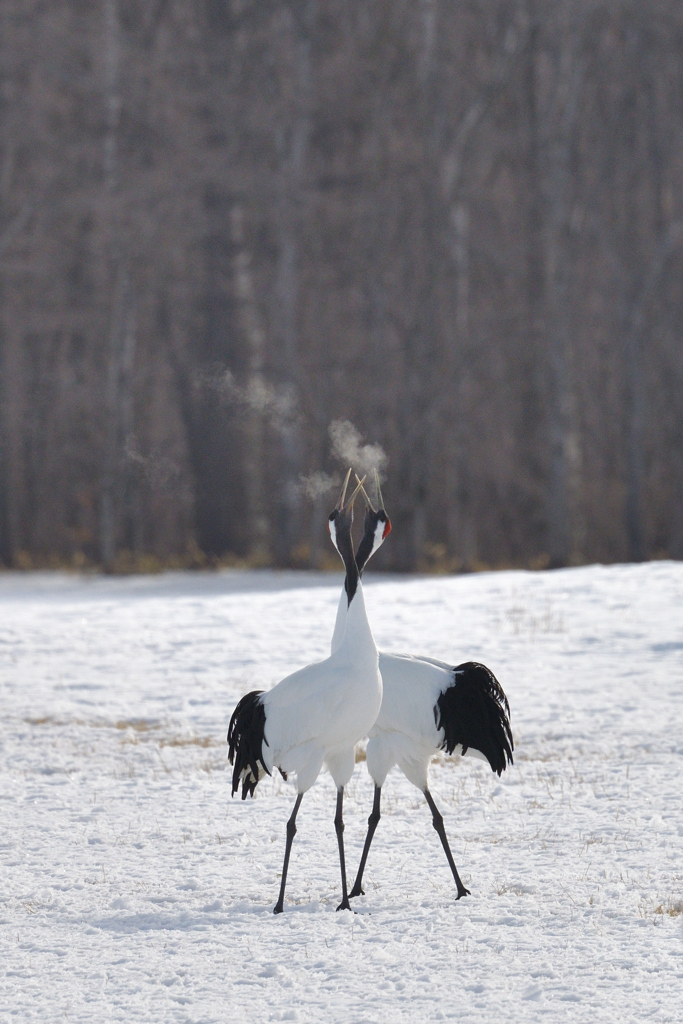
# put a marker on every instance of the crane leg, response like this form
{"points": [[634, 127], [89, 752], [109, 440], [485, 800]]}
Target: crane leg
{"points": [[372, 825], [291, 832], [437, 822], [339, 829]]}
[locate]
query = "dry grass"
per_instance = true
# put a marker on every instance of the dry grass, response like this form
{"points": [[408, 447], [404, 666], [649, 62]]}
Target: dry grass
{"points": [[190, 741], [516, 890], [135, 730], [670, 908], [136, 724]]}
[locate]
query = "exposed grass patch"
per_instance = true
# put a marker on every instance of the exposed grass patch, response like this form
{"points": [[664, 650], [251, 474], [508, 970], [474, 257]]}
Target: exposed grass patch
{"points": [[137, 724], [190, 741], [136, 730], [670, 908]]}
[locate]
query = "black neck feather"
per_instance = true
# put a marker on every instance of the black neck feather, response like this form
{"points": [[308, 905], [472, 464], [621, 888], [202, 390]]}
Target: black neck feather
{"points": [[345, 546], [365, 547], [367, 544]]}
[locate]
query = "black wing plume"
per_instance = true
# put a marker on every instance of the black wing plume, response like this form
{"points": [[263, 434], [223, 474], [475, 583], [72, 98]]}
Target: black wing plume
{"points": [[474, 712], [246, 738]]}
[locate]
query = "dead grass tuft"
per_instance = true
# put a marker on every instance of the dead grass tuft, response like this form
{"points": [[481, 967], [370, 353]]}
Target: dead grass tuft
{"points": [[190, 741], [516, 890], [672, 909], [136, 724]]}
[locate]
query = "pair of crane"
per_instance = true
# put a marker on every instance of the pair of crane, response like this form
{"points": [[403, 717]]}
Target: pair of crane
{"points": [[409, 707]]}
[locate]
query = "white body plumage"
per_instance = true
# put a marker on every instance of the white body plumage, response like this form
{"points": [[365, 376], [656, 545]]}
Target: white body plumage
{"points": [[318, 714], [405, 731]]}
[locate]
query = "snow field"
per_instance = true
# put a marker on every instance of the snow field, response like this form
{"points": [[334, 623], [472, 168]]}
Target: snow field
{"points": [[134, 889]]}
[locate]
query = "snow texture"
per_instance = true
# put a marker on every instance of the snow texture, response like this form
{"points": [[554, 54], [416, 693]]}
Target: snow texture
{"points": [[134, 889]]}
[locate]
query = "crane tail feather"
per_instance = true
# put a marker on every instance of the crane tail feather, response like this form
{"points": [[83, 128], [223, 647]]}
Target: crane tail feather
{"points": [[474, 713], [246, 737]]}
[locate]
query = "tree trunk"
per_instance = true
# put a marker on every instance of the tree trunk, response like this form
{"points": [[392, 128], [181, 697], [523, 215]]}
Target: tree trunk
{"points": [[635, 406], [290, 215], [118, 399], [254, 457], [558, 122]]}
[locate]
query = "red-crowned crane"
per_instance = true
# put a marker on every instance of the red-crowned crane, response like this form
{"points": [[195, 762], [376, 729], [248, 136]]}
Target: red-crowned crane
{"points": [[316, 715], [427, 706]]}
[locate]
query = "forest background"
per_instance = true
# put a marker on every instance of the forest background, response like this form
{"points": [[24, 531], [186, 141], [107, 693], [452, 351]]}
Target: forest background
{"points": [[230, 226]]}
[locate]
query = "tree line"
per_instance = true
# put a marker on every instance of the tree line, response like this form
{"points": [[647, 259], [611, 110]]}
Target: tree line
{"points": [[227, 224]]}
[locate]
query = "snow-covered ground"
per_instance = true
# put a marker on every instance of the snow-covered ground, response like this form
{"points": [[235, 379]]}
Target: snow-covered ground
{"points": [[134, 889]]}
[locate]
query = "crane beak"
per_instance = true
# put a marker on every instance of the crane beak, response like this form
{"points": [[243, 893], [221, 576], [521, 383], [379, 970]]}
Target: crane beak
{"points": [[380, 499], [355, 493], [364, 493], [340, 504], [343, 501]]}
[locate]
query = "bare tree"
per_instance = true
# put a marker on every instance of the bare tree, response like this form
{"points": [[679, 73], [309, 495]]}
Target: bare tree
{"points": [[256, 388], [298, 26], [635, 407], [118, 410], [559, 84], [118, 402]]}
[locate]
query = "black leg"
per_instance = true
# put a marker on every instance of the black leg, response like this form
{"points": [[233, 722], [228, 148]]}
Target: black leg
{"points": [[437, 822], [291, 832], [339, 829], [372, 825]]}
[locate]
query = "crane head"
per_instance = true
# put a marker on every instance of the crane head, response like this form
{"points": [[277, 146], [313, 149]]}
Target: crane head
{"points": [[341, 517], [377, 525]]}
